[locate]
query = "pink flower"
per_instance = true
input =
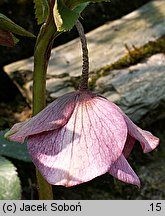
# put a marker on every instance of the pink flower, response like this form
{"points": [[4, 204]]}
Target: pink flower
{"points": [[80, 136]]}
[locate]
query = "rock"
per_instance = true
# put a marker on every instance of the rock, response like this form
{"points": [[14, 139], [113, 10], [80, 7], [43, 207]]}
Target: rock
{"points": [[55, 84], [153, 179], [61, 92], [139, 90], [106, 43], [56, 87], [22, 12]]}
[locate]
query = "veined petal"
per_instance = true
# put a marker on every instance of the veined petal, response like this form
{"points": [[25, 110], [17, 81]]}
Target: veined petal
{"points": [[148, 141], [128, 146], [123, 171], [82, 149], [55, 115]]}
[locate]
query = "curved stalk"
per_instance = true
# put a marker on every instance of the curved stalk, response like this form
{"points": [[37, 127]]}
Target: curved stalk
{"points": [[85, 66]]}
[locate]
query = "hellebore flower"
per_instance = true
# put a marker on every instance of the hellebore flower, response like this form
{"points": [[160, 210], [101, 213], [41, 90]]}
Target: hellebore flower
{"points": [[80, 136]]}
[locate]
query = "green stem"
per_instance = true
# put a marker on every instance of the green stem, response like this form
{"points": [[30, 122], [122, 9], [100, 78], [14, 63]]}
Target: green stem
{"points": [[44, 188], [41, 57], [42, 53]]}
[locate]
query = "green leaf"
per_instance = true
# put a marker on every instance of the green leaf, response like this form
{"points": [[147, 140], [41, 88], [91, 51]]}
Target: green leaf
{"points": [[64, 17], [41, 10], [8, 25], [16, 40], [10, 188], [66, 12], [13, 149], [74, 3]]}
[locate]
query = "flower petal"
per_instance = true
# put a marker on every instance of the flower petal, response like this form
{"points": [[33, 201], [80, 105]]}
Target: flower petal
{"points": [[148, 141], [55, 115], [82, 149], [128, 146], [15, 128], [123, 171]]}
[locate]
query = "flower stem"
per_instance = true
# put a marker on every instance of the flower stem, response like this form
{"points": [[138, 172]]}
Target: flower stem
{"points": [[41, 57], [85, 67], [42, 53]]}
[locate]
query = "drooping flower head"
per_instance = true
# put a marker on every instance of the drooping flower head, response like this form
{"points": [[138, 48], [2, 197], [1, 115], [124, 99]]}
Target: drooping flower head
{"points": [[80, 136]]}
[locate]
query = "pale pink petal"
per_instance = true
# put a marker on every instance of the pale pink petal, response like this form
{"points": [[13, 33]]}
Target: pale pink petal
{"points": [[148, 141], [14, 129], [84, 148], [55, 115], [128, 146], [123, 171]]}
